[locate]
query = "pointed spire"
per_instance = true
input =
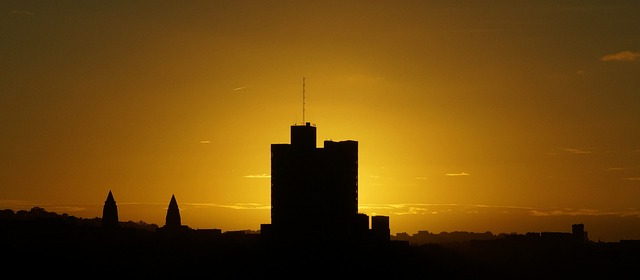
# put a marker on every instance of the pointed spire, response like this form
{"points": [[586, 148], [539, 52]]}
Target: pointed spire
{"points": [[173, 214], [110, 212], [110, 197]]}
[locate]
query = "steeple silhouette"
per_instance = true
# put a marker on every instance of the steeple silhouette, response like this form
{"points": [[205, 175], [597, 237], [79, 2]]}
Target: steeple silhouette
{"points": [[110, 212], [173, 214]]}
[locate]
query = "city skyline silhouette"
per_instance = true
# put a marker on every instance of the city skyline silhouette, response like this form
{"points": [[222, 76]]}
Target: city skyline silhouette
{"points": [[315, 231], [469, 117], [93, 247]]}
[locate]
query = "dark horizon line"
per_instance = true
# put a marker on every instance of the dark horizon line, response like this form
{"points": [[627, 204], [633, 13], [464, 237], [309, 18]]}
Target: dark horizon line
{"points": [[39, 212]]}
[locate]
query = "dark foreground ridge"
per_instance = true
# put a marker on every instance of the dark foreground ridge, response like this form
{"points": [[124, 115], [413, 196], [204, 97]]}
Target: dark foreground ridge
{"points": [[38, 243]]}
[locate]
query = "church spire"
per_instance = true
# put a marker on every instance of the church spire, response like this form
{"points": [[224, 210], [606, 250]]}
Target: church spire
{"points": [[110, 212], [173, 214]]}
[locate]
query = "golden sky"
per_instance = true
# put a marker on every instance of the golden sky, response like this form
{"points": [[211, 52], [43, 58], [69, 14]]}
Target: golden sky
{"points": [[502, 116]]}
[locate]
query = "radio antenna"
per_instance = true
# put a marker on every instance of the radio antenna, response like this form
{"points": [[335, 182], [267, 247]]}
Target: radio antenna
{"points": [[303, 101]]}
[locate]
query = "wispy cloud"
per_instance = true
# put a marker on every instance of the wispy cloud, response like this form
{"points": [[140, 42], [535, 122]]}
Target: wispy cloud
{"points": [[258, 176], [22, 12], [201, 205], [235, 206], [633, 178], [239, 88], [577, 151], [583, 212], [205, 142], [390, 209], [397, 209], [18, 205], [434, 209], [616, 168], [458, 174], [401, 209], [622, 56]]}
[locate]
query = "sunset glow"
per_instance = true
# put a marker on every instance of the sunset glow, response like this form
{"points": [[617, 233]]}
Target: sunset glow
{"points": [[476, 116]]}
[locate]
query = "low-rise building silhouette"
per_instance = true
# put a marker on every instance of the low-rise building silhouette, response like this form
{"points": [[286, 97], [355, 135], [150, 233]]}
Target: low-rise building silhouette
{"points": [[578, 232], [380, 230]]}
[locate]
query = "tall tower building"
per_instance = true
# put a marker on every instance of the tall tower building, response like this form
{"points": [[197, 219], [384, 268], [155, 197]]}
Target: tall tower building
{"points": [[110, 212], [314, 191], [173, 220]]}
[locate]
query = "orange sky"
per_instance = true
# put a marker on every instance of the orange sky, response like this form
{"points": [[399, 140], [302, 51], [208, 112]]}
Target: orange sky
{"points": [[502, 116]]}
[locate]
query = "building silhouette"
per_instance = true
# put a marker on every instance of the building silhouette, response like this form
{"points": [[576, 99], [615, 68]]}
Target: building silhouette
{"points": [[578, 232], [173, 220], [314, 194], [314, 191], [110, 212], [380, 228]]}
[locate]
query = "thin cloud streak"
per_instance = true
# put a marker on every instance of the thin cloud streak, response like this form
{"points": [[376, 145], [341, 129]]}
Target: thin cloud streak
{"points": [[434, 209], [235, 206], [617, 168], [626, 56], [15, 203], [577, 151], [18, 205], [457, 174], [584, 212], [23, 12], [258, 176]]}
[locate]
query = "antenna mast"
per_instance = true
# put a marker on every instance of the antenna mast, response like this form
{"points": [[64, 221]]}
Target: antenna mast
{"points": [[303, 101]]}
